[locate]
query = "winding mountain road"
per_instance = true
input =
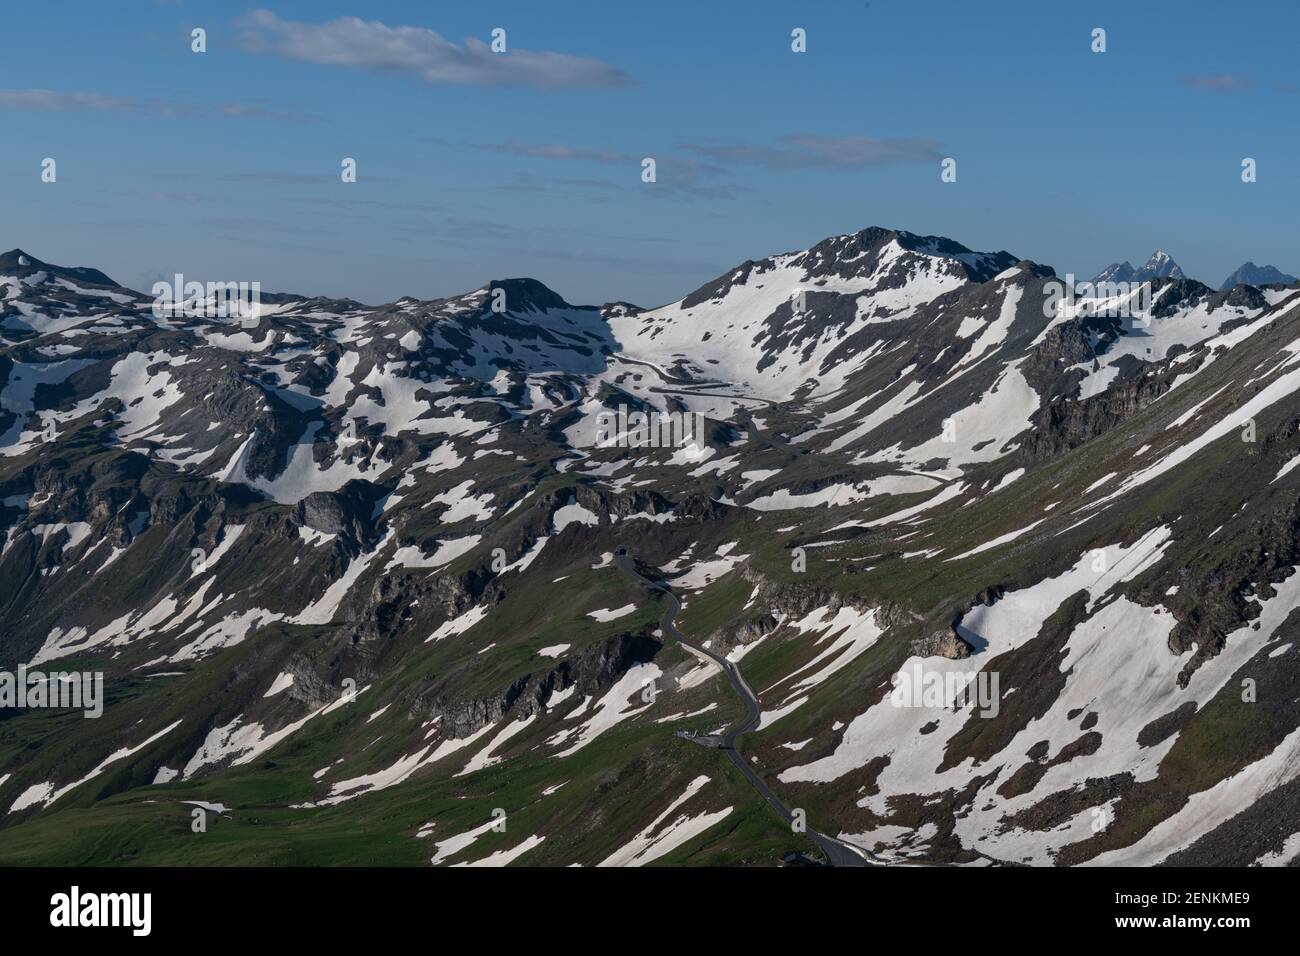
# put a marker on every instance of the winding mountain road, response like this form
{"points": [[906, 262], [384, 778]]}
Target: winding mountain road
{"points": [[837, 853]]}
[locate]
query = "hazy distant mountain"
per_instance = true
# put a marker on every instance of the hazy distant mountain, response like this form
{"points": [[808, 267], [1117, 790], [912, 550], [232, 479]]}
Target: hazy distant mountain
{"points": [[1159, 266], [1116, 272], [1251, 274]]}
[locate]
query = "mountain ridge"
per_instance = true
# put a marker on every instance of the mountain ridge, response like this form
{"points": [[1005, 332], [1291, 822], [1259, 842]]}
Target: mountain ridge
{"points": [[1250, 274], [1160, 265], [360, 560]]}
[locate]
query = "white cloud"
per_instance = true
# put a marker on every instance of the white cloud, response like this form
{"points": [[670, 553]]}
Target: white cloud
{"points": [[371, 45]]}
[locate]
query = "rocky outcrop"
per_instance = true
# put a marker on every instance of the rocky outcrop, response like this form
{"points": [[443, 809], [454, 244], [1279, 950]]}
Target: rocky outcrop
{"points": [[1069, 423], [592, 670], [346, 512], [945, 642], [1218, 599], [777, 602]]}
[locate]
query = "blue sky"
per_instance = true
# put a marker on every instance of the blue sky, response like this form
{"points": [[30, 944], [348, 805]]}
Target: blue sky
{"points": [[473, 165]]}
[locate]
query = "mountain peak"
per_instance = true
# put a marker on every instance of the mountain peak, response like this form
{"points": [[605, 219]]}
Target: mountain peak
{"points": [[1160, 265], [852, 246], [874, 255], [527, 295], [16, 257], [18, 262], [1250, 274]]}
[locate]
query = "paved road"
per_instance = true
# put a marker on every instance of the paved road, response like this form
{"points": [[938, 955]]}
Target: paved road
{"points": [[742, 398], [837, 853]]}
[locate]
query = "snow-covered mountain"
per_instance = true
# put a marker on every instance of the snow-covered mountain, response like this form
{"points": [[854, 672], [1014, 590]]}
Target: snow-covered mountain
{"points": [[353, 568], [775, 327]]}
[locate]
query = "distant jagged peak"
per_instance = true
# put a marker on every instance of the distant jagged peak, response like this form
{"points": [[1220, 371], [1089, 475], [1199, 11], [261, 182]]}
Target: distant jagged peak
{"points": [[1116, 272], [1250, 274], [1160, 265]]}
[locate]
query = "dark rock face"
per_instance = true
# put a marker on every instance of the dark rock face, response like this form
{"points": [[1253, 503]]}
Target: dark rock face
{"points": [[592, 671], [1064, 345], [1241, 297], [1224, 596], [1068, 424], [346, 512], [323, 511], [700, 508], [1177, 293]]}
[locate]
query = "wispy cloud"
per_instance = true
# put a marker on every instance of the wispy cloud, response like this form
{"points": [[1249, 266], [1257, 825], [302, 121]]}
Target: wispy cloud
{"points": [[800, 151], [1216, 82], [372, 45], [55, 101], [263, 111], [683, 178], [676, 177], [556, 151], [1233, 83]]}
